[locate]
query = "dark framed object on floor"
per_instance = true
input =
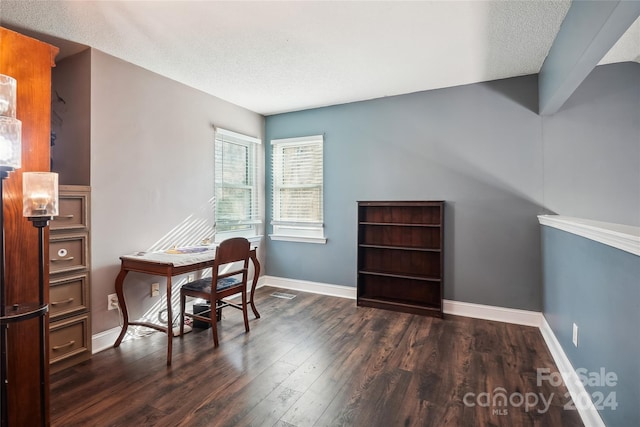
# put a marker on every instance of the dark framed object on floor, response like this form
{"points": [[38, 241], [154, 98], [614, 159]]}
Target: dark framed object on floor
{"points": [[401, 256]]}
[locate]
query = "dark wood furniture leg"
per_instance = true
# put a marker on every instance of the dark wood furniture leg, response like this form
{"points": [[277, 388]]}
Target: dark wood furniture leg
{"points": [[256, 276], [120, 293], [169, 320], [125, 314]]}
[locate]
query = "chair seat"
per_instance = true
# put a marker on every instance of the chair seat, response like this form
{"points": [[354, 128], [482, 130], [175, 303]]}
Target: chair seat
{"points": [[204, 285]]}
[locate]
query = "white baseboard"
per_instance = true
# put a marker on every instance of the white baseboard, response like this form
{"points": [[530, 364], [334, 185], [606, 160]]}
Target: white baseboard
{"points": [[104, 340], [307, 286], [589, 414], [489, 312]]}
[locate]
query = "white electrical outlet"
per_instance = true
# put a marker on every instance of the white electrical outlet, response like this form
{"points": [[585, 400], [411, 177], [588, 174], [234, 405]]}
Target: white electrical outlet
{"points": [[155, 289], [112, 302], [191, 278], [575, 335]]}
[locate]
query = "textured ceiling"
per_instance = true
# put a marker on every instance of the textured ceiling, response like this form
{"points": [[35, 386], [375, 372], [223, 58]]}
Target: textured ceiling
{"points": [[273, 57]]}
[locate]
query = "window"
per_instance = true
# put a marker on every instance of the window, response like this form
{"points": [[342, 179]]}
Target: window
{"points": [[236, 189], [298, 189]]}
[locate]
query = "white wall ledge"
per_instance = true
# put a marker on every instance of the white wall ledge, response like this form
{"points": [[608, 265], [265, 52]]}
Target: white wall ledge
{"points": [[619, 236]]}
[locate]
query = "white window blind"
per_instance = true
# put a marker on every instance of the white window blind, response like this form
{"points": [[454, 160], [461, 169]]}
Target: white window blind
{"points": [[298, 189], [236, 192]]}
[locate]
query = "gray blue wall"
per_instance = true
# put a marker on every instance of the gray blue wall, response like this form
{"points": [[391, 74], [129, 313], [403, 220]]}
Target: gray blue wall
{"points": [[597, 287], [592, 170], [592, 149], [483, 149]]}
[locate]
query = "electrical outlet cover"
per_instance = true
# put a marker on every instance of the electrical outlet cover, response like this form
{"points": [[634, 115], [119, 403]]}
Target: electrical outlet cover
{"points": [[110, 299]]}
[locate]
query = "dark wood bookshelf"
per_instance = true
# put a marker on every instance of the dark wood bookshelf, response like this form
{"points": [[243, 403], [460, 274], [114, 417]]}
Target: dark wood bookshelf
{"points": [[400, 256]]}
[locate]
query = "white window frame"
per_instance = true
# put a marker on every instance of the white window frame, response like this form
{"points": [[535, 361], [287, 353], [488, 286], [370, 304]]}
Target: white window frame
{"points": [[287, 229], [223, 136]]}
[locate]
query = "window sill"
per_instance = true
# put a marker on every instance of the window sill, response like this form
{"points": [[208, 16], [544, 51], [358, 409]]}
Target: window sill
{"points": [[299, 239]]}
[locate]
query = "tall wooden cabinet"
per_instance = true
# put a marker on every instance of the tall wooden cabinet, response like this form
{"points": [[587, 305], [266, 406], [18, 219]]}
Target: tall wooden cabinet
{"points": [[29, 61], [69, 286], [400, 256]]}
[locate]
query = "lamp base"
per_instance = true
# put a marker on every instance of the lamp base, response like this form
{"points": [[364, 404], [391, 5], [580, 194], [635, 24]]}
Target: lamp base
{"points": [[40, 221]]}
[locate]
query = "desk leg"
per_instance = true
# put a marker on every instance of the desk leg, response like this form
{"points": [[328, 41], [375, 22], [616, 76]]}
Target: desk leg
{"points": [[123, 305], [169, 321], [256, 275]]}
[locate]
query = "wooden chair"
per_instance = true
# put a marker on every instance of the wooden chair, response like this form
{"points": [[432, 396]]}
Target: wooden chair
{"points": [[227, 283]]}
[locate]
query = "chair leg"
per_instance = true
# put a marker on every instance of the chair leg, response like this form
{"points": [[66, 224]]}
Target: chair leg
{"points": [[183, 299], [214, 323], [244, 309]]}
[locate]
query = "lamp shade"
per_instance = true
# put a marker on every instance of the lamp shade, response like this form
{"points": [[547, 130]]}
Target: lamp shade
{"points": [[10, 142], [7, 96], [39, 194]]}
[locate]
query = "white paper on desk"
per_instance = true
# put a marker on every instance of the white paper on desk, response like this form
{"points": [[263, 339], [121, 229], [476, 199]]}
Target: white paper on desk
{"points": [[175, 259]]}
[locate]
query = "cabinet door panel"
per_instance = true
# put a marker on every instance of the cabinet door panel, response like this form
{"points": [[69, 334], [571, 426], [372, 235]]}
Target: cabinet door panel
{"points": [[67, 253], [29, 61], [73, 214], [68, 295], [68, 338]]}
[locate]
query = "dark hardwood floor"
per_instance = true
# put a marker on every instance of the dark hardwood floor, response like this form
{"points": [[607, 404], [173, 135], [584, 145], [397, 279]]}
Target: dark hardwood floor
{"points": [[319, 361]]}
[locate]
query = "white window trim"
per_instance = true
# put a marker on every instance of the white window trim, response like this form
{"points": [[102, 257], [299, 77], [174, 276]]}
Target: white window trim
{"points": [[298, 232], [252, 231], [240, 137], [298, 239], [301, 232]]}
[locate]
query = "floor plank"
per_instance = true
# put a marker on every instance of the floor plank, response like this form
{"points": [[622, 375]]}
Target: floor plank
{"points": [[318, 361]]}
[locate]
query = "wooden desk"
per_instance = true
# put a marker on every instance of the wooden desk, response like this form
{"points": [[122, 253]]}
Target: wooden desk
{"points": [[163, 264]]}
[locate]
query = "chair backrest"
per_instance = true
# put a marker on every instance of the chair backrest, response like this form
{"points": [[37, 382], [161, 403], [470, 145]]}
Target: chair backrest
{"points": [[232, 250]]}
